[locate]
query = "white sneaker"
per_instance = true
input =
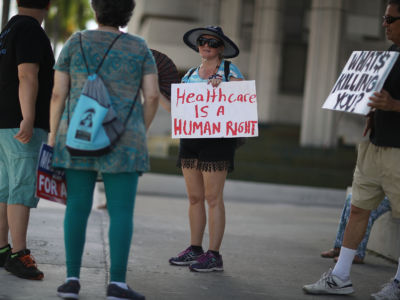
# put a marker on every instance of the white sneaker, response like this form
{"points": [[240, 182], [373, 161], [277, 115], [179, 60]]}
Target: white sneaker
{"points": [[389, 291], [329, 284]]}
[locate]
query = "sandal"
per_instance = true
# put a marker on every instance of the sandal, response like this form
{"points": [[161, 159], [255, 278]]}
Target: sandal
{"points": [[332, 253]]}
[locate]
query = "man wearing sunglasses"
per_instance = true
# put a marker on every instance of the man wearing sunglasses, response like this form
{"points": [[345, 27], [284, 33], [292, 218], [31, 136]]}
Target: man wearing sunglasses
{"points": [[377, 174]]}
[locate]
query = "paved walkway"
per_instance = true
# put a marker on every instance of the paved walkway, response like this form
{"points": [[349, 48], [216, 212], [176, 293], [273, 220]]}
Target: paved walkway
{"points": [[271, 248]]}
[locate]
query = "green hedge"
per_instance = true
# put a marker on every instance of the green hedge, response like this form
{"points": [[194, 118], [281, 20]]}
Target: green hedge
{"points": [[276, 157]]}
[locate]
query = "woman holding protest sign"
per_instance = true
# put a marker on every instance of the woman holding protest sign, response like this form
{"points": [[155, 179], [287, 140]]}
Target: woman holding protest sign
{"points": [[126, 65], [205, 162]]}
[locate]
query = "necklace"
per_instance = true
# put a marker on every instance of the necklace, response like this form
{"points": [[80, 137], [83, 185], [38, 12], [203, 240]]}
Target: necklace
{"points": [[211, 73], [216, 67]]}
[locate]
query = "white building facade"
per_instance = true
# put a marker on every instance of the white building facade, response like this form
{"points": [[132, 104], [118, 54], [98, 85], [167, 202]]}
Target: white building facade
{"points": [[294, 49]]}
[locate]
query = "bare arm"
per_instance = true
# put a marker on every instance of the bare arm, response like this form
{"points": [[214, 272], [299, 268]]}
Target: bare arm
{"points": [[57, 103], [151, 94], [27, 92]]}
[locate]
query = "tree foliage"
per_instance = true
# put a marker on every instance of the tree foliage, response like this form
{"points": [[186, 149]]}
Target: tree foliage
{"points": [[65, 17], [5, 12]]}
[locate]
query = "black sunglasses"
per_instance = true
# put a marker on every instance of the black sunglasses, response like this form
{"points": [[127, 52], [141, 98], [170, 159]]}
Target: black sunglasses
{"points": [[390, 19], [213, 43]]}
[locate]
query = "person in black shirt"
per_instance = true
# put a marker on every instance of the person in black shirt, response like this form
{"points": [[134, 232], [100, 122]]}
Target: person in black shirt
{"points": [[26, 81], [377, 173]]}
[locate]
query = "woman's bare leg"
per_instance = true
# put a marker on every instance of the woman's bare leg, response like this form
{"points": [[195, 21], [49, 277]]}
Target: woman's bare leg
{"points": [[197, 213], [214, 187]]}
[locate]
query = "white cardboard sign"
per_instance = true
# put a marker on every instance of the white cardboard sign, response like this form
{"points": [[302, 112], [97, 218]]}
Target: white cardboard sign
{"points": [[364, 73], [200, 111]]}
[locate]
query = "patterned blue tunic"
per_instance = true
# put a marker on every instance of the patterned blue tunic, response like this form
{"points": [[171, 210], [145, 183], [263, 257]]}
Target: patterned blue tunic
{"points": [[122, 71]]}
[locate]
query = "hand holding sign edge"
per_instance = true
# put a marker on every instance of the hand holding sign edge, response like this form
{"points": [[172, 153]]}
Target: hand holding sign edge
{"points": [[384, 101]]}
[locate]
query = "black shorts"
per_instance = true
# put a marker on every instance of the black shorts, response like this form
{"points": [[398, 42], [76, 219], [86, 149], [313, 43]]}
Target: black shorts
{"points": [[208, 154]]}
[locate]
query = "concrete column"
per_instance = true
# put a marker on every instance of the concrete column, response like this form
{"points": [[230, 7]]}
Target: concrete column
{"points": [[265, 56], [134, 23], [318, 125], [230, 19], [209, 12]]}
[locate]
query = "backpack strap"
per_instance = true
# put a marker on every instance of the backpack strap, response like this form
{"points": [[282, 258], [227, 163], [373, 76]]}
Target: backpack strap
{"points": [[227, 70], [131, 109], [104, 56], [191, 71]]}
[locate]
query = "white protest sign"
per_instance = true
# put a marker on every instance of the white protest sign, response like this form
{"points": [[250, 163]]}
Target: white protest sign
{"points": [[364, 73], [200, 111]]}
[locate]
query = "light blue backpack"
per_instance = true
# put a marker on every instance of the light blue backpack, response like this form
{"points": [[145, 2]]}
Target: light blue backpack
{"points": [[94, 127]]}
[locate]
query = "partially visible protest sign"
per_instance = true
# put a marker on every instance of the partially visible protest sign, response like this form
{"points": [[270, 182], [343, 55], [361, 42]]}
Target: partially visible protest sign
{"points": [[200, 111], [364, 73], [50, 183]]}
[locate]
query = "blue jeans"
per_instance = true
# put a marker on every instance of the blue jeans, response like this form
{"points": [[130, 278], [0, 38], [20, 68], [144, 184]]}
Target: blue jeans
{"points": [[383, 207]]}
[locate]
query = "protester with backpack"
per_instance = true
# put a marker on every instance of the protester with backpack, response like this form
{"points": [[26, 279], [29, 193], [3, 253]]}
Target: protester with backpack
{"points": [[205, 162], [127, 67]]}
